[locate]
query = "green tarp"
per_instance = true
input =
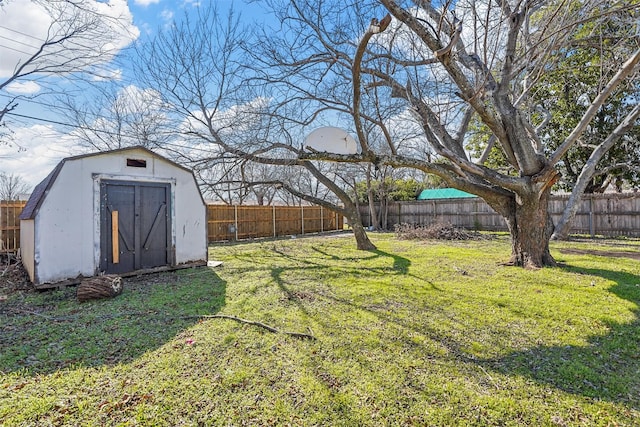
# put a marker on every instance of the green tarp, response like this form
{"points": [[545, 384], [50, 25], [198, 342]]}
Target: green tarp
{"points": [[443, 193]]}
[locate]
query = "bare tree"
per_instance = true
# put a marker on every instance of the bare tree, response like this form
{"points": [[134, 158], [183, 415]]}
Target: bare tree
{"points": [[78, 40], [221, 179], [200, 68], [446, 64], [12, 187], [117, 117]]}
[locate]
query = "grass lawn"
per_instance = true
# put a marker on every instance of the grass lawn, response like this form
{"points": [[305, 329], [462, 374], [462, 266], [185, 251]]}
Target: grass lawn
{"points": [[415, 333]]}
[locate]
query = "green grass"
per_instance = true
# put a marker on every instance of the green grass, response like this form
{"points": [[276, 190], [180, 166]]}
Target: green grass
{"points": [[415, 333]]}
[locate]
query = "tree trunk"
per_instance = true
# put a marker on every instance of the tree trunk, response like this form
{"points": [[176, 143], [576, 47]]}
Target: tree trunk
{"points": [[375, 222], [362, 240], [384, 212], [531, 228]]}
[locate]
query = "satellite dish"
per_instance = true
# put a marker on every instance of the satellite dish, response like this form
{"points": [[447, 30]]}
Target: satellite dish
{"points": [[331, 140]]}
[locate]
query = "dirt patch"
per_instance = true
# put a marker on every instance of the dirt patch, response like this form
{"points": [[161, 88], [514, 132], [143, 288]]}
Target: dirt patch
{"points": [[605, 253], [13, 278]]}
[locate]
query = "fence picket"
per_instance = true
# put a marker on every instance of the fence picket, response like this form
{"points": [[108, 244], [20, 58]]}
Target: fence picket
{"points": [[10, 225]]}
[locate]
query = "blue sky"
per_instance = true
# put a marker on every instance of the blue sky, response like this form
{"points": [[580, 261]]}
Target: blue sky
{"points": [[39, 141], [149, 15]]}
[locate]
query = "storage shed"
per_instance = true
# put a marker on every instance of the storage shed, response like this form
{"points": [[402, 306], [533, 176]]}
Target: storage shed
{"points": [[125, 211]]}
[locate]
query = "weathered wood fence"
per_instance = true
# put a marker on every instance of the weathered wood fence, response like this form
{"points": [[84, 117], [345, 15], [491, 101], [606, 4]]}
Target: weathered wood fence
{"points": [[243, 222], [10, 225], [611, 214], [224, 222]]}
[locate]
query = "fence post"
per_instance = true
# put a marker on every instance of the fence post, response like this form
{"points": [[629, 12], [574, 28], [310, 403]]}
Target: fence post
{"points": [[273, 209], [235, 220], [321, 220], [435, 211], [1, 229], [591, 224], [301, 218]]}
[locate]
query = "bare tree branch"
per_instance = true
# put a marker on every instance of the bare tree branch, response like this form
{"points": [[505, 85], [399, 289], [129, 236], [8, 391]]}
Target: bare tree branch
{"points": [[625, 70]]}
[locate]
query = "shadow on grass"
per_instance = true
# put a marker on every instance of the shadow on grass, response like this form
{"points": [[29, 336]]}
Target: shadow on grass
{"points": [[400, 264], [301, 298], [606, 369], [44, 332]]}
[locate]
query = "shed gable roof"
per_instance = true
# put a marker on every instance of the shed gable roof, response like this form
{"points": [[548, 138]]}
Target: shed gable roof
{"points": [[40, 191], [38, 194]]}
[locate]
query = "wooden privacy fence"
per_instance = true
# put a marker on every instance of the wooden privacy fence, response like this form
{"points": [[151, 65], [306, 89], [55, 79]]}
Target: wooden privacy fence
{"points": [[243, 222], [10, 225], [224, 222], [610, 214]]}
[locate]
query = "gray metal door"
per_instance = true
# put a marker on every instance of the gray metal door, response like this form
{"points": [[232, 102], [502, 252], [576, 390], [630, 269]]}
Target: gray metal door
{"points": [[135, 226]]}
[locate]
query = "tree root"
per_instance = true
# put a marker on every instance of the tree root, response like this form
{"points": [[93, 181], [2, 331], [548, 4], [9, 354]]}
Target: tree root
{"points": [[252, 322]]}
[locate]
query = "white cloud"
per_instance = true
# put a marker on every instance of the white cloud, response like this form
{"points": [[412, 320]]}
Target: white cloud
{"points": [[139, 100], [110, 75], [146, 28], [584, 100], [236, 119], [145, 3], [236, 125], [475, 16], [37, 150], [119, 20], [408, 133], [23, 88], [166, 15], [25, 25]]}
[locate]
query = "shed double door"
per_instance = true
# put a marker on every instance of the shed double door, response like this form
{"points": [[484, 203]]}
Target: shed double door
{"points": [[135, 226]]}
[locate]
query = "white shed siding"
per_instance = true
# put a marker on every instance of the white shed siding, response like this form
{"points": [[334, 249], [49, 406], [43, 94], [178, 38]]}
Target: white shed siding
{"points": [[27, 240], [64, 226], [190, 224]]}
